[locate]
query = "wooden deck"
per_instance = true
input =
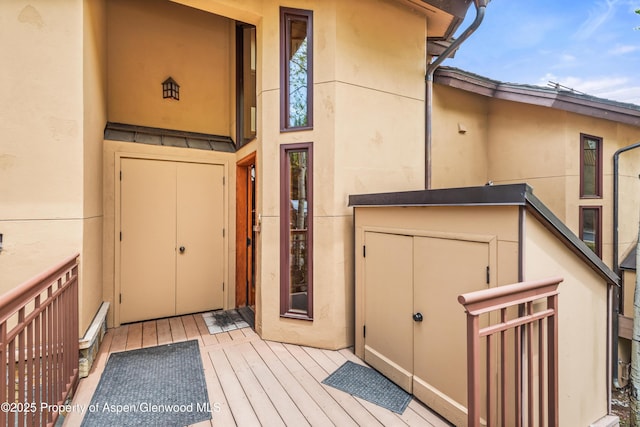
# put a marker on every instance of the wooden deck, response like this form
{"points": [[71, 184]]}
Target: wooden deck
{"points": [[256, 382]]}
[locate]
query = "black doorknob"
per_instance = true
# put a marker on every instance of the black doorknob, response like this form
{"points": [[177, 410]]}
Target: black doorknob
{"points": [[418, 317], [182, 249]]}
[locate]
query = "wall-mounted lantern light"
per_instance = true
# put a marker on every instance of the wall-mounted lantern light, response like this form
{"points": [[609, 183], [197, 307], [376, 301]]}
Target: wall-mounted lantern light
{"points": [[170, 89]]}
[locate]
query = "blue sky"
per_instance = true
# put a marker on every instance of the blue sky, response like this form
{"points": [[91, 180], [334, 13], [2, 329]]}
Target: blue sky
{"points": [[588, 45]]}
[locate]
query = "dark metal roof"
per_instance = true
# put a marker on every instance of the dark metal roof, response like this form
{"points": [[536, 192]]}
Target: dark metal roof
{"points": [[629, 262], [492, 195], [513, 194], [168, 137], [542, 96]]}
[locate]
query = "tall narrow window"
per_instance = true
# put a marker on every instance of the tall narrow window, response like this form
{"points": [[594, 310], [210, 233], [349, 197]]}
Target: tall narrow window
{"points": [[296, 231], [590, 166], [246, 105], [296, 69], [591, 227]]}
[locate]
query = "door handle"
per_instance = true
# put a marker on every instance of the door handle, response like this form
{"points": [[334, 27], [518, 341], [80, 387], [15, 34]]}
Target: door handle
{"points": [[417, 317], [182, 249]]}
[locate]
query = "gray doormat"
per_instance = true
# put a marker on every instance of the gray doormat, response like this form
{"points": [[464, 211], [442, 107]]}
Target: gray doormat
{"points": [[224, 321], [154, 386], [369, 385]]}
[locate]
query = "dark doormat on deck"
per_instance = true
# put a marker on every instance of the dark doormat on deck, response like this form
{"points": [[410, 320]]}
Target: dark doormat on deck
{"points": [[369, 385], [154, 386], [224, 320]]}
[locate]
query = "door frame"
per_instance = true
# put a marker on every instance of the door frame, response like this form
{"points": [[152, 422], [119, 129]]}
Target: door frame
{"points": [[114, 293], [245, 263]]}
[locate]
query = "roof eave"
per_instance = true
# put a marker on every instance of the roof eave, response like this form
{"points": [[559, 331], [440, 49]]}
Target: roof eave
{"points": [[540, 96]]}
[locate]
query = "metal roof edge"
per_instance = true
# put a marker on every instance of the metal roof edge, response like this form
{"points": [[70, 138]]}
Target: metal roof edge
{"points": [[537, 95], [509, 194], [568, 237]]}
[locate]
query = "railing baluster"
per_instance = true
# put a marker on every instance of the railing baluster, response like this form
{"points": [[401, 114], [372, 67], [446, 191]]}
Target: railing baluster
{"points": [[38, 351], [518, 374], [491, 383], [541, 382], [21, 369], [30, 378], [503, 369], [3, 371], [11, 379], [520, 296], [530, 394], [51, 368]]}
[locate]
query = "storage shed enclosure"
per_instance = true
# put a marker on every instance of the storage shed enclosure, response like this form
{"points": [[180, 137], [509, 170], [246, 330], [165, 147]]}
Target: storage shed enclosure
{"points": [[417, 251]]}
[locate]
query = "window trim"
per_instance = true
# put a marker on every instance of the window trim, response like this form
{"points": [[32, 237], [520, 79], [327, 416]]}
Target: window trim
{"points": [[598, 230], [241, 119], [285, 14], [599, 172], [285, 285]]}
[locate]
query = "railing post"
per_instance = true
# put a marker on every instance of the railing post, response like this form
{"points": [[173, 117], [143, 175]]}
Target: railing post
{"points": [[552, 331]]}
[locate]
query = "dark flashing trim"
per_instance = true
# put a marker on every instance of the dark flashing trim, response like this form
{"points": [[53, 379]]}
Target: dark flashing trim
{"points": [[537, 95], [512, 194], [629, 262], [560, 229], [168, 137], [491, 195]]}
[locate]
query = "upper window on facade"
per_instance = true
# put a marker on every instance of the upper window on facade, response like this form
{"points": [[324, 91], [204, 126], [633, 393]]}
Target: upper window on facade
{"points": [[590, 166], [296, 69], [246, 105]]}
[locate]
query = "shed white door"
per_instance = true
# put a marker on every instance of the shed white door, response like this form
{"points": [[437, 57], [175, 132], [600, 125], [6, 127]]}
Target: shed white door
{"points": [[409, 275], [171, 248]]}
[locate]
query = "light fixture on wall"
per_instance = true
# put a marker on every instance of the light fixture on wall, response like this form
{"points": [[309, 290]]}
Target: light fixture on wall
{"points": [[170, 89]]}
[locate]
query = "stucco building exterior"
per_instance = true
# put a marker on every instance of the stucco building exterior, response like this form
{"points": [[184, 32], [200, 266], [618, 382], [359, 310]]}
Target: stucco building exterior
{"points": [[200, 154]]}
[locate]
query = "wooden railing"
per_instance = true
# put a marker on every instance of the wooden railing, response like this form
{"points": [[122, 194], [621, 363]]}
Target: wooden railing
{"points": [[519, 324], [39, 346]]}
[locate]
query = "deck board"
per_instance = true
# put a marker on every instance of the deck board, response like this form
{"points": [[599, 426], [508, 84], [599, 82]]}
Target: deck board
{"points": [[251, 382], [149, 334], [134, 336], [260, 402], [177, 329], [164, 331], [286, 407]]}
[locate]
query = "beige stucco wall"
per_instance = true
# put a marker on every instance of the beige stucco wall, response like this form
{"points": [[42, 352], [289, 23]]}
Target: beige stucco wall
{"points": [[583, 308], [95, 116], [459, 150], [149, 41], [510, 142], [628, 196], [50, 151]]}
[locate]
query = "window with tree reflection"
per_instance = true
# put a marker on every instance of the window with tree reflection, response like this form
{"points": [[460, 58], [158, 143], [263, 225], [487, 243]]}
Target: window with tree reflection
{"points": [[591, 227], [296, 62], [296, 253]]}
